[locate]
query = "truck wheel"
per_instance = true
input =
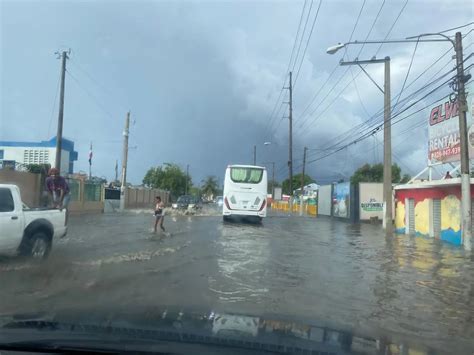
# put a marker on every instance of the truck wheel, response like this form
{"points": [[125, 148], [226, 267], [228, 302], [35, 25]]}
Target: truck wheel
{"points": [[37, 246]]}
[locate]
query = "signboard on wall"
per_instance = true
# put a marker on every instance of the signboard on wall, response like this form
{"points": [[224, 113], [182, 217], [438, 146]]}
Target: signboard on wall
{"points": [[443, 129], [341, 202], [370, 200]]}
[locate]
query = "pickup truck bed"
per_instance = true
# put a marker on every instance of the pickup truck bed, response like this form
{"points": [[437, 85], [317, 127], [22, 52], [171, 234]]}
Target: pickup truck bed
{"points": [[28, 231]]}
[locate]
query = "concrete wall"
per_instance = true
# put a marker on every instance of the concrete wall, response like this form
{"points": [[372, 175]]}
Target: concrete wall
{"points": [[325, 200], [370, 200], [143, 197], [29, 184]]}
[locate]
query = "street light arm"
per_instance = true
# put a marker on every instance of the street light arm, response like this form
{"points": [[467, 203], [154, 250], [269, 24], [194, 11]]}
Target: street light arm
{"points": [[334, 49], [432, 34]]}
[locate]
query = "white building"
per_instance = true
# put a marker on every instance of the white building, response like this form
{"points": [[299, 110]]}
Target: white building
{"points": [[13, 153]]}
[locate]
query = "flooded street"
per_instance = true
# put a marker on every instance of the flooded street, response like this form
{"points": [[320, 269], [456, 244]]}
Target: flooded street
{"points": [[311, 269]]}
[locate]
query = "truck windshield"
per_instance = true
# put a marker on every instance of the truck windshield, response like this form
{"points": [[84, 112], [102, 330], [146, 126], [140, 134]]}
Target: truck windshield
{"points": [[246, 175]]}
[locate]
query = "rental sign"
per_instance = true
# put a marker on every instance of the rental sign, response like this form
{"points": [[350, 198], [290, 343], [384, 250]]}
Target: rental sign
{"points": [[444, 144]]}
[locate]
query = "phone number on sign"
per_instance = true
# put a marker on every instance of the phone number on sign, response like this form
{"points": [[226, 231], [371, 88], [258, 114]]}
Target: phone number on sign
{"points": [[445, 153]]}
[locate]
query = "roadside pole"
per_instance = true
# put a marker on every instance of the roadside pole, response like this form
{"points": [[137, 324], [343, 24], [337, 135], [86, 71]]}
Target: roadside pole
{"points": [[387, 151], [465, 174], [302, 181], [124, 162], [254, 155], [59, 134], [187, 177], [290, 149]]}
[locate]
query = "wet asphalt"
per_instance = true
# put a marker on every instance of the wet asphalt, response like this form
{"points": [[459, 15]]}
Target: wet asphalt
{"points": [[316, 270]]}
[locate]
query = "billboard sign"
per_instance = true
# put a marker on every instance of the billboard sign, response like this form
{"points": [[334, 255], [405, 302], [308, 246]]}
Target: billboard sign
{"points": [[341, 202], [443, 130]]}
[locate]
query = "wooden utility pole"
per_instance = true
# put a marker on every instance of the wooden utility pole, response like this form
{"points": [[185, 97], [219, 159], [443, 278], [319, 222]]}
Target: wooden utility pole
{"points": [[302, 181], [124, 162], [59, 134], [254, 155]]}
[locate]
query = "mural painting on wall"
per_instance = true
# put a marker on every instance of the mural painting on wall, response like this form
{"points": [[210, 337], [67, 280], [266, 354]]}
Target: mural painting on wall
{"points": [[341, 196]]}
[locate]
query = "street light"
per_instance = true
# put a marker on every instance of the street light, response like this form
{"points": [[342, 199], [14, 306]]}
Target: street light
{"points": [[461, 79]]}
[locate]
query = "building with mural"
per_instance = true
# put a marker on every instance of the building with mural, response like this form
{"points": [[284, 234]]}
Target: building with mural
{"points": [[431, 209]]}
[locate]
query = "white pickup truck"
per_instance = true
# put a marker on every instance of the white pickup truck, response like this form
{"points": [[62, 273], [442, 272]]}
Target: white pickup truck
{"points": [[27, 231]]}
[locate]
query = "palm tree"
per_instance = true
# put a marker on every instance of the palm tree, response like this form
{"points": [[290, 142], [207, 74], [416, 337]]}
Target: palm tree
{"points": [[210, 187]]}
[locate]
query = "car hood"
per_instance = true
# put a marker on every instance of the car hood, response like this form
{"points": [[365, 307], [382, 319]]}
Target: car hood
{"points": [[211, 327]]}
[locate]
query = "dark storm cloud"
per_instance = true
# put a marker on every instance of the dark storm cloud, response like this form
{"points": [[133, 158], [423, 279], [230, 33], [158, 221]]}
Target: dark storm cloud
{"points": [[201, 80]]}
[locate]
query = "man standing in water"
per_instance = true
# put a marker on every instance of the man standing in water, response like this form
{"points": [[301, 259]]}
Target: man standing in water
{"points": [[159, 213]]}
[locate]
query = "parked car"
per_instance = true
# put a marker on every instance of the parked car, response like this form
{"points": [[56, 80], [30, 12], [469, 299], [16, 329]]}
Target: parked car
{"points": [[187, 202], [195, 203], [27, 231]]}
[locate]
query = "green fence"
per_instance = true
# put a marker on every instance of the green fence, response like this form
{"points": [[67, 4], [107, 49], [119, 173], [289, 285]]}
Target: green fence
{"points": [[74, 189], [92, 192]]}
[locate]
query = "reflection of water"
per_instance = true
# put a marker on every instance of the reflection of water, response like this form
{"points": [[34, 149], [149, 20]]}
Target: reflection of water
{"points": [[350, 275], [242, 253]]}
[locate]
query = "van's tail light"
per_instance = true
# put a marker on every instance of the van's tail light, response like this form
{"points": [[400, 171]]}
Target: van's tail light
{"points": [[263, 205], [227, 203]]}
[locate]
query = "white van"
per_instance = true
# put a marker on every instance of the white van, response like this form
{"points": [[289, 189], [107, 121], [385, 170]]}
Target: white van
{"points": [[245, 191]]}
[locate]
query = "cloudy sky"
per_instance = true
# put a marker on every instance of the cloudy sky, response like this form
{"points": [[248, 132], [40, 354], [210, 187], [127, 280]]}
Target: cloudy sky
{"points": [[202, 79]]}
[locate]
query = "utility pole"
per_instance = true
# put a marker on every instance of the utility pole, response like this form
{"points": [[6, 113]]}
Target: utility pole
{"points": [[290, 149], [465, 174], [387, 150], [116, 170], [124, 162], [59, 134], [254, 155], [273, 179], [302, 181], [187, 177]]}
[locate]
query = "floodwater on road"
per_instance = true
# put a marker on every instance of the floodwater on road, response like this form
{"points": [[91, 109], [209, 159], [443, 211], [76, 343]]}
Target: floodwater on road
{"points": [[311, 269]]}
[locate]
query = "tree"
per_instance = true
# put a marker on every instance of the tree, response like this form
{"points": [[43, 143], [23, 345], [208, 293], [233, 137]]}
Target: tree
{"points": [[38, 168], [210, 187], [296, 183], [374, 173], [170, 178]]}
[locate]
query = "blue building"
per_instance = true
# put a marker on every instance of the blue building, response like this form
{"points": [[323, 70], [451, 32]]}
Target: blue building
{"points": [[44, 152]]}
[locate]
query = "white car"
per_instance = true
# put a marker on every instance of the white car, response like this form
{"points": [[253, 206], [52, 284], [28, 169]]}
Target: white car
{"points": [[27, 231]]}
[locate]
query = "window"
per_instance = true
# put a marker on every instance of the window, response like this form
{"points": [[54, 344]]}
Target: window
{"points": [[6, 200], [1, 154], [246, 175]]}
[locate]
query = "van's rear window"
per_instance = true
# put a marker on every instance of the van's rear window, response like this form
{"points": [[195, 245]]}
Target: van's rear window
{"points": [[246, 175]]}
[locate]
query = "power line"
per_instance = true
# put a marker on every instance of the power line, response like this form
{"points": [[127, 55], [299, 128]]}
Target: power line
{"points": [[408, 73], [372, 130], [297, 35], [337, 65], [458, 27], [368, 134], [271, 117], [345, 54], [54, 105], [307, 43], [96, 82], [340, 93], [302, 36], [91, 96]]}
